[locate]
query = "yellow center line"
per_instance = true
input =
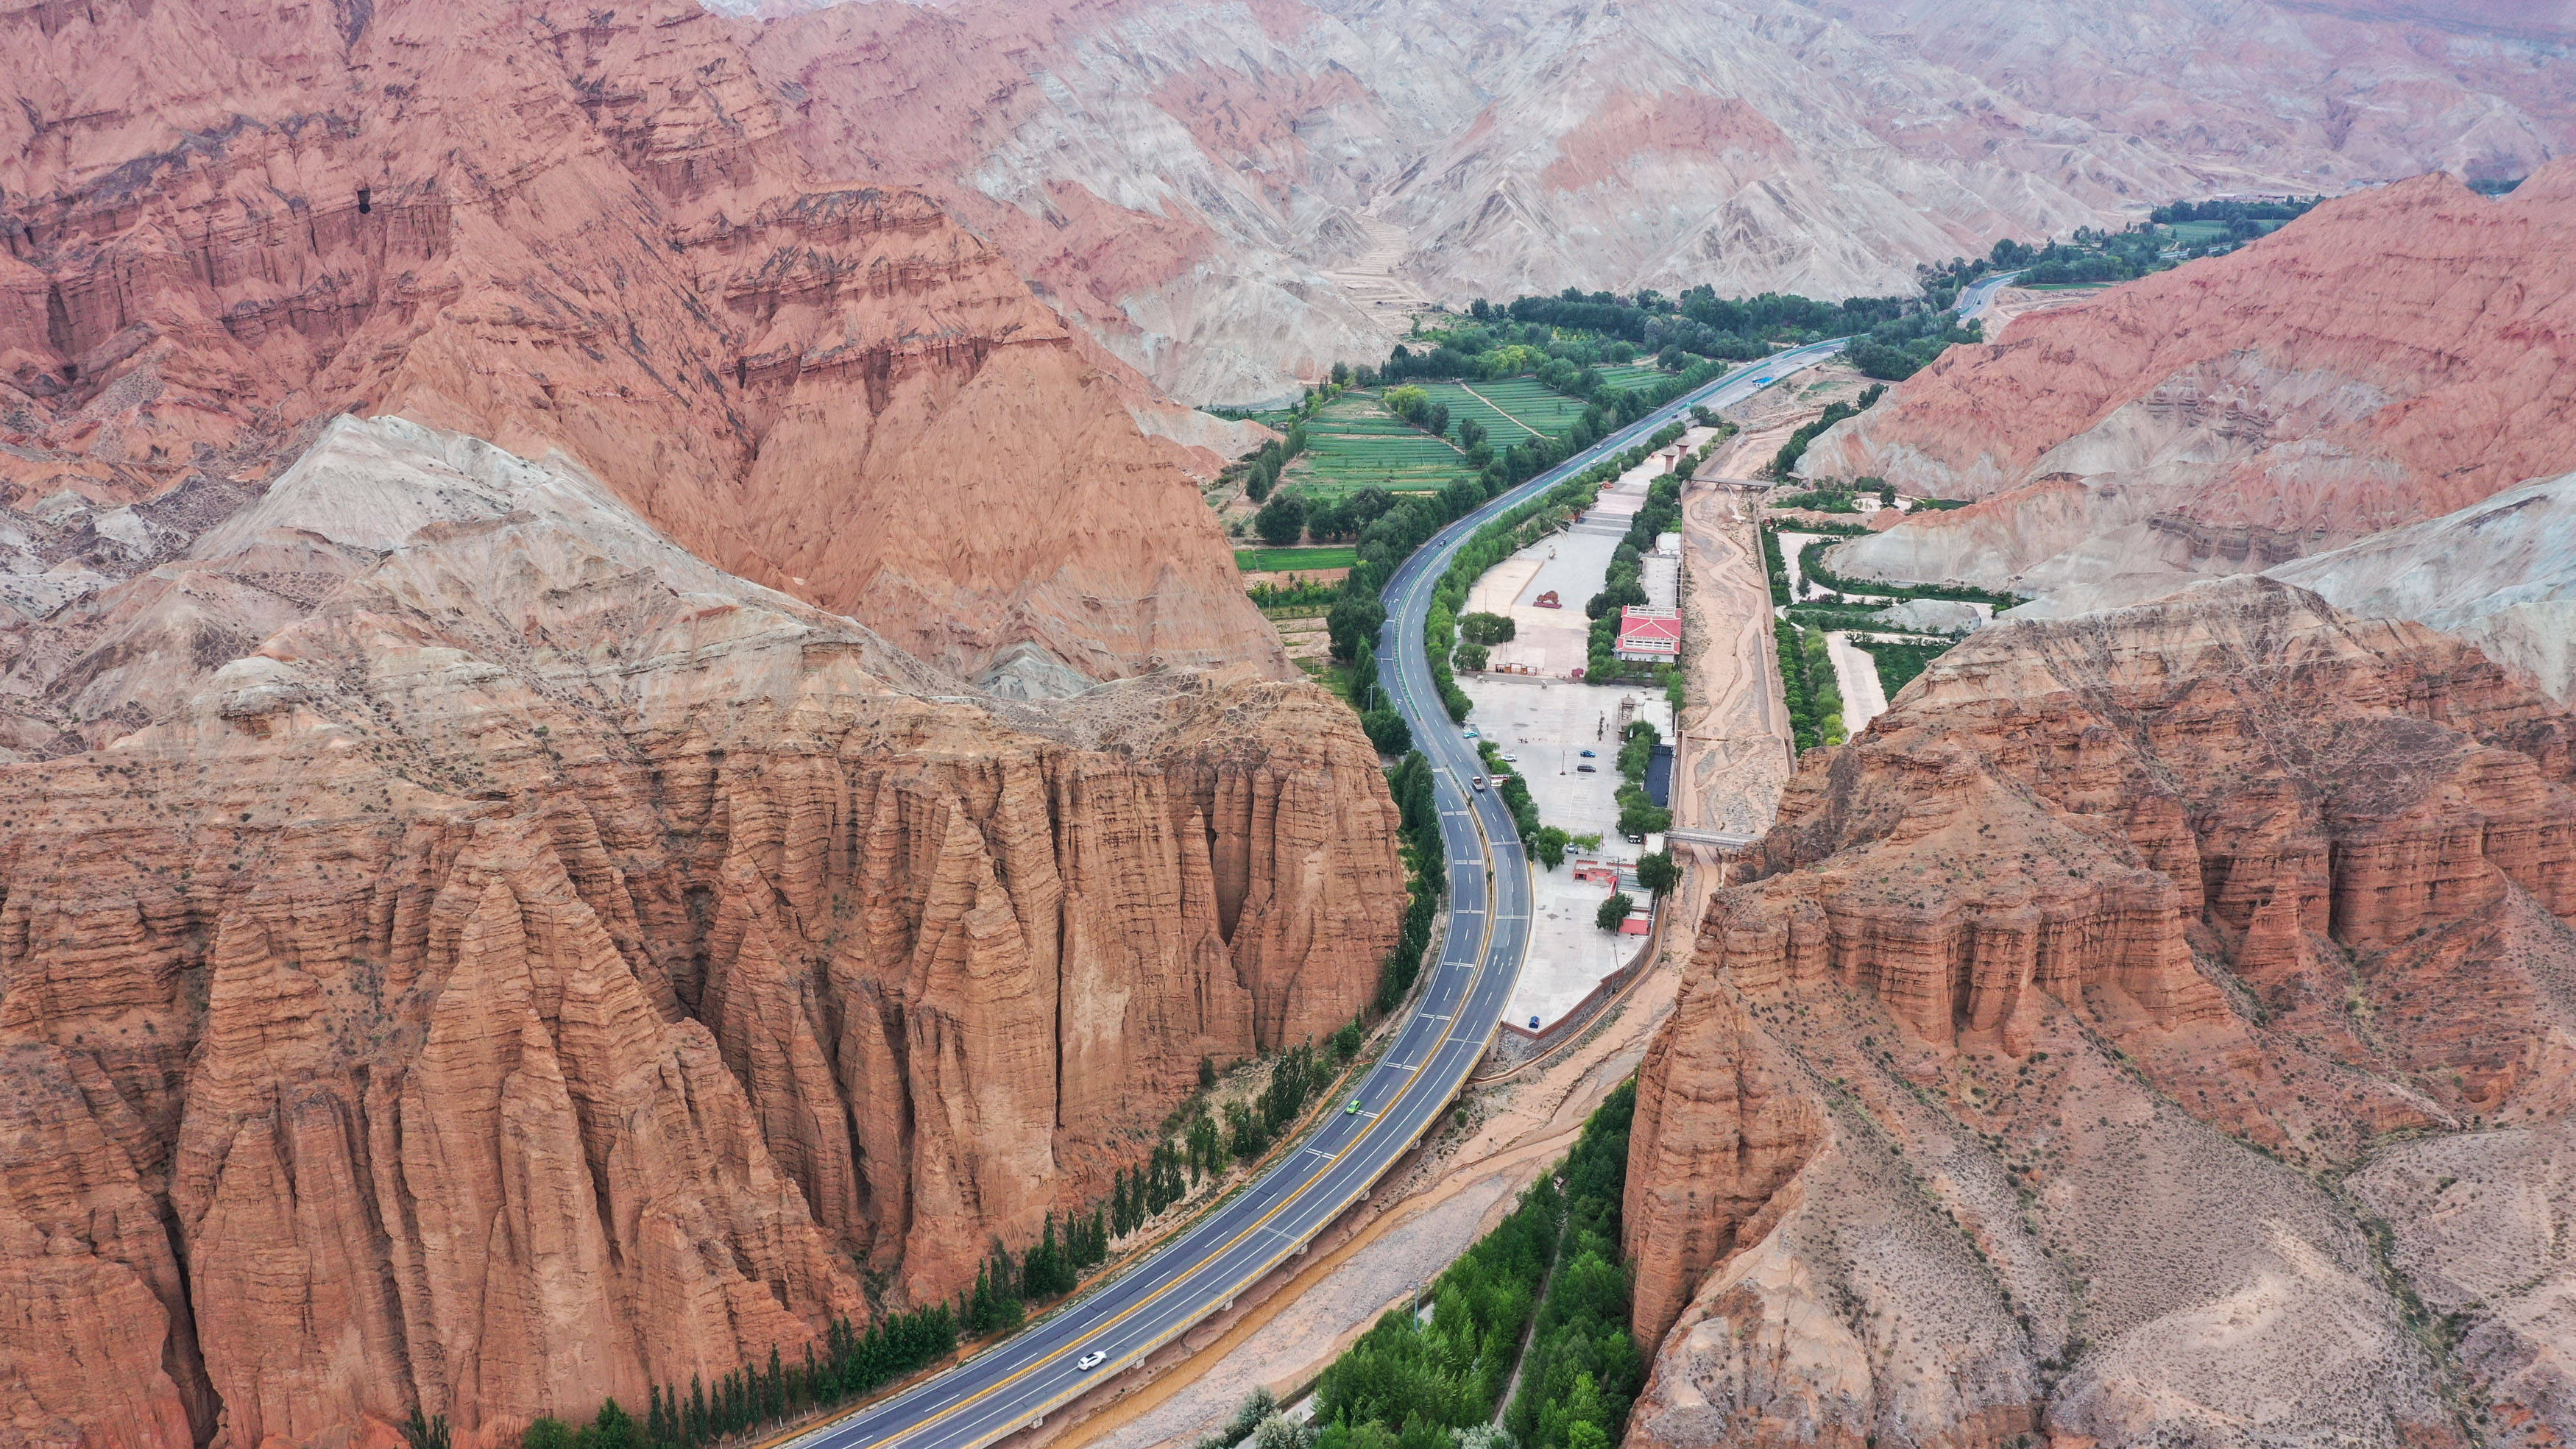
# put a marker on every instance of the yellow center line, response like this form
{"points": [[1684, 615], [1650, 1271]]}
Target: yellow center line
{"points": [[1483, 950]]}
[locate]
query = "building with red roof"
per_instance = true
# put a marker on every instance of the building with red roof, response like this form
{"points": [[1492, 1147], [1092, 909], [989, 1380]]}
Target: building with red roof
{"points": [[1650, 636]]}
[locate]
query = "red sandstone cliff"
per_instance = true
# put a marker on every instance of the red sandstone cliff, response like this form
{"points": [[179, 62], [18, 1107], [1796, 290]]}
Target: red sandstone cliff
{"points": [[2009, 1095], [584, 229], [2387, 359], [545, 965]]}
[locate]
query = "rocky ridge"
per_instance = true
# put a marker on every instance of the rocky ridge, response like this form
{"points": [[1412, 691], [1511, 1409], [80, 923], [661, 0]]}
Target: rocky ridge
{"points": [[2077, 1022], [561, 228], [2500, 573], [547, 965], [1218, 192], [2388, 359]]}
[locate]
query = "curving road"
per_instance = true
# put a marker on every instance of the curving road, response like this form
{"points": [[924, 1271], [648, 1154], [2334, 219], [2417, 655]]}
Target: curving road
{"points": [[1014, 1384], [1977, 296]]}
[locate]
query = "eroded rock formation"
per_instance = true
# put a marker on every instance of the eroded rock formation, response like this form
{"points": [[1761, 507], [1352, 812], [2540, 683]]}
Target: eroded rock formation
{"points": [[1231, 197], [2011, 1092], [547, 965], [2389, 358], [562, 227]]}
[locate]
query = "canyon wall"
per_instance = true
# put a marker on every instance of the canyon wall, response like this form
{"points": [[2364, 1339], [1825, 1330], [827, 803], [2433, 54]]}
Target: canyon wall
{"points": [[2015, 1088], [545, 965], [1231, 197], [563, 228], [2389, 358]]}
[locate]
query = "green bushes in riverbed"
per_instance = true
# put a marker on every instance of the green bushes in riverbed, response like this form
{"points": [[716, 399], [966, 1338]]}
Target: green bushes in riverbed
{"points": [[1408, 1383]]}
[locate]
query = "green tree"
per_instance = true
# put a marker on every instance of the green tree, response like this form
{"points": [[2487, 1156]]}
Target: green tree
{"points": [[614, 1428], [1487, 628], [1387, 730], [1614, 911], [545, 1433], [1353, 623], [1548, 846], [1281, 520], [1658, 872]]}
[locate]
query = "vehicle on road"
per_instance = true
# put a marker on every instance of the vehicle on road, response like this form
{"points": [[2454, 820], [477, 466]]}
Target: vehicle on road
{"points": [[1478, 782], [1471, 732], [1091, 1360], [1353, 1109]]}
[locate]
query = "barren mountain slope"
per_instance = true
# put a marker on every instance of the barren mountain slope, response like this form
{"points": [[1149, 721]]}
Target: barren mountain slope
{"points": [[2389, 358], [2017, 1091], [2499, 573], [1205, 185], [547, 965], [552, 226]]}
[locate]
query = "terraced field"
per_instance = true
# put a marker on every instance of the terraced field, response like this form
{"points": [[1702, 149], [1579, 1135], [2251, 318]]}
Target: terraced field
{"points": [[1629, 374], [1352, 443]]}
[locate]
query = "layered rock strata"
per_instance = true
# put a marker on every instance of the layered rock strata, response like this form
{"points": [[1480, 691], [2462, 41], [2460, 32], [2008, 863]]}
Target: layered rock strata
{"points": [[558, 227], [2387, 359], [2013, 1091], [547, 965], [1232, 197]]}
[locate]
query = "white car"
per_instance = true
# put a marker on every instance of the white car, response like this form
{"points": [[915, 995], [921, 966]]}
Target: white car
{"points": [[1478, 782], [1091, 1360], [1512, 759]]}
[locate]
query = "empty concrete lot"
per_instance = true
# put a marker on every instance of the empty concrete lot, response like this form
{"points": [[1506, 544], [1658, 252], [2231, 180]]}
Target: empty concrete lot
{"points": [[1548, 723]]}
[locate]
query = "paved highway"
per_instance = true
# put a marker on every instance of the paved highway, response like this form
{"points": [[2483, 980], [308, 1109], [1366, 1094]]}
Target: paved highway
{"points": [[1980, 295], [1015, 1383]]}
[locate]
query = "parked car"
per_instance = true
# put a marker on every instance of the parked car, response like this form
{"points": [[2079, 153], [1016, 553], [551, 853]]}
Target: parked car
{"points": [[1589, 755], [1091, 1360], [1586, 770], [1512, 759], [1471, 732]]}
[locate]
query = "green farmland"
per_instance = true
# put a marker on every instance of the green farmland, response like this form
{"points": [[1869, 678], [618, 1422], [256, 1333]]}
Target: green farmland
{"points": [[1511, 409], [1294, 560], [1533, 402], [1352, 443], [1629, 374], [1500, 428]]}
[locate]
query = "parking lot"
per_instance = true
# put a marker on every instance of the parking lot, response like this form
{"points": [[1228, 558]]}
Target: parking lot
{"points": [[1548, 723]]}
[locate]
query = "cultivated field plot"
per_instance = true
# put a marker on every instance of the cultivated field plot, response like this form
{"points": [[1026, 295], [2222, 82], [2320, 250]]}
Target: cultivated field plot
{"points": [[1352, 443], [1629, 374], [1294, 560], [1500, 427], [2198, 233], [1533, 402]]}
